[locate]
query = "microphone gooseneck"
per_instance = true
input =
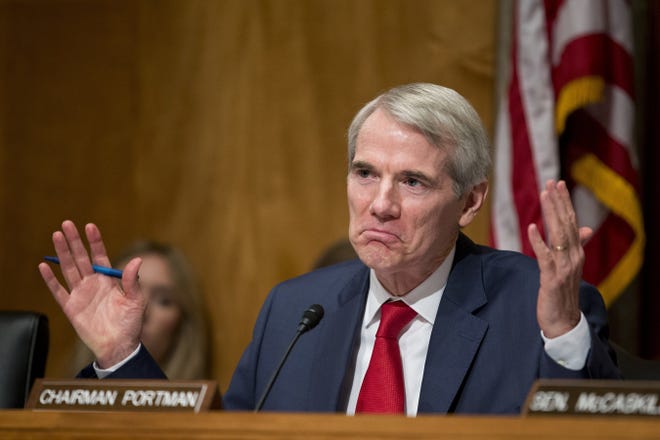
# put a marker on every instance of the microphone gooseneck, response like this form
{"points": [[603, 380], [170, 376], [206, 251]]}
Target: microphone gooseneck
{"points": [[309, 320]]}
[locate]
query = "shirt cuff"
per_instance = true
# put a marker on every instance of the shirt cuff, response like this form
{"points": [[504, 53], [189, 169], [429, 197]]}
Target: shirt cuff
{"points": [[104, 372], [571, 349]]}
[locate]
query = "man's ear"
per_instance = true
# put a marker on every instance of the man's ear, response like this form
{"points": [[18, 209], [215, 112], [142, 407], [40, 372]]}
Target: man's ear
{"points": [[473, 200]]}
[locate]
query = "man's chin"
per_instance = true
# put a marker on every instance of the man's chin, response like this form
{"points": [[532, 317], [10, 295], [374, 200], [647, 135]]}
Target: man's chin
{"points": [[378, 259]]}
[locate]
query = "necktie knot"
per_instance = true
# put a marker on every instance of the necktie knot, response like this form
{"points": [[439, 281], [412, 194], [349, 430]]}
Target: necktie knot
{"points": [[394, 316]]}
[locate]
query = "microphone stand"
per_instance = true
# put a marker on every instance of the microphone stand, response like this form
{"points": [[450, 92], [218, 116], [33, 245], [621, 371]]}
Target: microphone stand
{"points": [[310, 318], [277, 372]]}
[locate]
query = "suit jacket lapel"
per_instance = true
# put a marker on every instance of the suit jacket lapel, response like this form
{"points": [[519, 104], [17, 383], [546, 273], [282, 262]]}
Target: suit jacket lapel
{"points": [[333, 358], [456, 334]]}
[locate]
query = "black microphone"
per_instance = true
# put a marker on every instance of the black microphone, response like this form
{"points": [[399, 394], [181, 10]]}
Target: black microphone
{"points": [[309, 320]]}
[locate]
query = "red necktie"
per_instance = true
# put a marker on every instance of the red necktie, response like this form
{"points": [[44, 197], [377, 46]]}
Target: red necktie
{"points": [[382, 389]]}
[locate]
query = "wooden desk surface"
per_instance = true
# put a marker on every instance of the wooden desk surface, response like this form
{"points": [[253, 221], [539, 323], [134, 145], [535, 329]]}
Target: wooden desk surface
{"points": [[65, 425]]}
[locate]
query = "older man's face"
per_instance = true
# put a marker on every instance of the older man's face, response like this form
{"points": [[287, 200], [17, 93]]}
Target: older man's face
{"points": [[404, 215]]}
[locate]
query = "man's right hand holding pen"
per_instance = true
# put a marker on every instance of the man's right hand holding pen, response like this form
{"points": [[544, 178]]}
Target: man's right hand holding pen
{"points": [[106, 314]]}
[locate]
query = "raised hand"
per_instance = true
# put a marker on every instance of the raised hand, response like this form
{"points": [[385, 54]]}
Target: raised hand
{"points": [[106, 314], [560, 261]]}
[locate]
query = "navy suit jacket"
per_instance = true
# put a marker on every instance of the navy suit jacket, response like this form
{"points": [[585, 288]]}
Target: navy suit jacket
{"points": [[484, 353]]}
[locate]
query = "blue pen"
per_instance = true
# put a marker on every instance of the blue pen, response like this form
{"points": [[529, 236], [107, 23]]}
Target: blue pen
{"points": [[98, 269]]}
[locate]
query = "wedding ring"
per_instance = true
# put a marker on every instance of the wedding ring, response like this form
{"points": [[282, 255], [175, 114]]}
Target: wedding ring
{"points": [[560, 248]]}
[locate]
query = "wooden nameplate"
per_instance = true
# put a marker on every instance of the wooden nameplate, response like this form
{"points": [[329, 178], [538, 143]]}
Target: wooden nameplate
{"points": [[124, 395], [593, 398]]}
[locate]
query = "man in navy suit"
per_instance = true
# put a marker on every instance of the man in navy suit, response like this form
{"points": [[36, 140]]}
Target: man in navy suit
{"points": [[486, 323]]}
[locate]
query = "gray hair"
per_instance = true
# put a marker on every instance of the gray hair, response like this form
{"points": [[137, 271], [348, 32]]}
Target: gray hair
{"points": [[445, 118]]}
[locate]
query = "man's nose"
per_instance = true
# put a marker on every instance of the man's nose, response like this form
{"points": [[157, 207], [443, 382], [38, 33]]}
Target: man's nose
{"points": [[386, 204]]}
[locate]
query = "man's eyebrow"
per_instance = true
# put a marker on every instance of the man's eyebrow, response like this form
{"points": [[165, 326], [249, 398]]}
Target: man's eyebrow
{"points": [[418, 175], [361, 165]]}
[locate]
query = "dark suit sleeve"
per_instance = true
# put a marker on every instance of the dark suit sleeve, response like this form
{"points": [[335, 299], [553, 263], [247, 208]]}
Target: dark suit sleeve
{"points": [[601, 360], [142, 366]]}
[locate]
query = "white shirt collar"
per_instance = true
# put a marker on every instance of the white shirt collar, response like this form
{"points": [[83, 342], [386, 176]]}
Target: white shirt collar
{"points": [[423, 299]]}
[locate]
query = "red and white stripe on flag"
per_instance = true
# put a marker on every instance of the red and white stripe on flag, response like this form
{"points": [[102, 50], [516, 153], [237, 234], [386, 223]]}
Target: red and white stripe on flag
{"points": [[568, 112]]}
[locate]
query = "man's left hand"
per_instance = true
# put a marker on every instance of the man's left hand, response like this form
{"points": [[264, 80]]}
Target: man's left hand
{"points": [[560, 261]]}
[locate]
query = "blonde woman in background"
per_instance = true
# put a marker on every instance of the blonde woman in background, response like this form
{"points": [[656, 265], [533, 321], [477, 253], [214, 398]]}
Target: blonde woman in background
{"points": [[174, 329]]}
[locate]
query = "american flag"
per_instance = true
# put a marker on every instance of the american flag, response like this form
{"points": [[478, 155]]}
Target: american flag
{"points": [[567, 112]]}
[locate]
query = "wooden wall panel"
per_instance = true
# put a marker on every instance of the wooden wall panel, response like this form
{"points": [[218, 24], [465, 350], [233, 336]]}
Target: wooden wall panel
{"points": [[218, 126]]}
